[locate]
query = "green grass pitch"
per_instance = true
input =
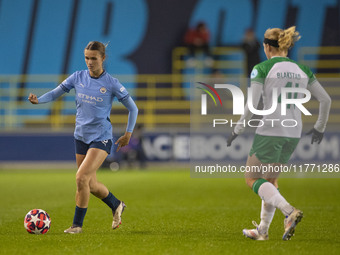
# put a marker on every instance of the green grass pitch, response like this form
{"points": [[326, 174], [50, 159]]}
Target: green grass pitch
{"points": [[167, 213]]}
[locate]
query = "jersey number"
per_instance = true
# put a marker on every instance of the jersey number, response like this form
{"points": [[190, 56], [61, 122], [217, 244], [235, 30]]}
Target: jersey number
{"points": [[290, 95]]}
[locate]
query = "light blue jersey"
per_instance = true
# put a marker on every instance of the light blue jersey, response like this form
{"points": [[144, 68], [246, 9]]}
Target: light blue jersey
{"points": [[94, 97]]}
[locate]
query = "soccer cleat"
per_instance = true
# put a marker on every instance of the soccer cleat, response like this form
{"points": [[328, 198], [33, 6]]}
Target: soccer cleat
{"points": [[255, 234], [73, 230], [117, 219], [290, 224]]}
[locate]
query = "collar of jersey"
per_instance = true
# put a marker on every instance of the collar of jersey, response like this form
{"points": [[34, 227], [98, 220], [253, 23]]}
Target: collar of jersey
{"points": [[98, 76], [277, 57]]}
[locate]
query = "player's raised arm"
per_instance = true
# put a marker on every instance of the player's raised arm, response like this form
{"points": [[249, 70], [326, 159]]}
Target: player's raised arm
{"points": [[47, 97]]}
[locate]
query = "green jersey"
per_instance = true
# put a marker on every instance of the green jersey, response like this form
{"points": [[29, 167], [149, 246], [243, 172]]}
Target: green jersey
{"points": [[281, 72]]}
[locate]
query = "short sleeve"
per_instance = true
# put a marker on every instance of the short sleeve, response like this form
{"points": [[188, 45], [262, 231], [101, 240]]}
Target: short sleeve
{"points": [[69, 83], [119, 90], [309, 73], [257, 75], [312, 79]]}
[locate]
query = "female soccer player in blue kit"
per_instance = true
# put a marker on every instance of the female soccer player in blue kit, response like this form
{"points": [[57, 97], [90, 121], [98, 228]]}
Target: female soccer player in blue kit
{"points": [[95, 90]]}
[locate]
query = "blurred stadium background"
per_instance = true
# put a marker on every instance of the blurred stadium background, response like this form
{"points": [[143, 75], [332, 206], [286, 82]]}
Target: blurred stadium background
{"points": [[42, 42]]}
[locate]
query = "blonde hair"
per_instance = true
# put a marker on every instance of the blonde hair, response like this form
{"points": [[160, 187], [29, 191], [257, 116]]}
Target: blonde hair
{"points": [[285, 38]]}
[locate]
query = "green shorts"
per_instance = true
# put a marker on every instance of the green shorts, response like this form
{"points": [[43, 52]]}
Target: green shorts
{"points": [[273, 149]]}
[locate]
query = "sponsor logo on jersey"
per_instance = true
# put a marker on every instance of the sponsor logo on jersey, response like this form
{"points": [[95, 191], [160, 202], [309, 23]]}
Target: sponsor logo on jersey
{"points": [[91, 98], [102, 90], [121, 89]]}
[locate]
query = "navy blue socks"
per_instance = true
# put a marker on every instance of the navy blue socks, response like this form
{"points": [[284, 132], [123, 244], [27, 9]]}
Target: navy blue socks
{"points": [[79, 216], [111, 201], [80, 213]]}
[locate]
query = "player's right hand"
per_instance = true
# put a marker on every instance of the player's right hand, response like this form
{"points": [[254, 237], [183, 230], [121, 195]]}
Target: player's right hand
{"points": [[231, 138], [316, 136], [33, 99]]}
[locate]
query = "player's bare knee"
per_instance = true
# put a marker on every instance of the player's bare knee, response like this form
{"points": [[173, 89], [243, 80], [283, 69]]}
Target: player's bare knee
{"points": [[273, 181], [82, 180]]}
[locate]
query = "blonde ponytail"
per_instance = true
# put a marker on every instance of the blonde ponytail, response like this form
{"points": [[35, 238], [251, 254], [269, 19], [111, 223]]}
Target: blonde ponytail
{"points": [[285, 38]]}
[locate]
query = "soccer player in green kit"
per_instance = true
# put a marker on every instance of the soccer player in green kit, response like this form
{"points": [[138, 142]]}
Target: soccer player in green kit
{"points": [[274, 143]]}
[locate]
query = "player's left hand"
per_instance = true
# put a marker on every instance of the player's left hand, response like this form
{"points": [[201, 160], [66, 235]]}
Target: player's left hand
{"points": [[316, 136], [231, 138], [123, 140]]}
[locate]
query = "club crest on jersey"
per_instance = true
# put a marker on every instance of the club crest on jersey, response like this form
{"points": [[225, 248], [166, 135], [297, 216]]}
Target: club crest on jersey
{"points": [[102, 90], [253, 73]]}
